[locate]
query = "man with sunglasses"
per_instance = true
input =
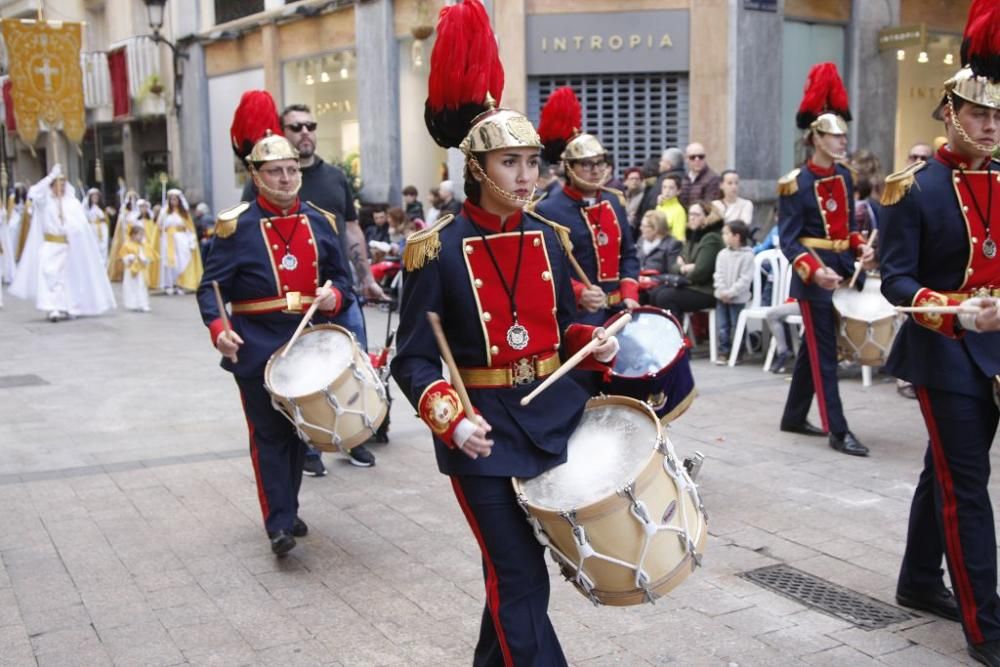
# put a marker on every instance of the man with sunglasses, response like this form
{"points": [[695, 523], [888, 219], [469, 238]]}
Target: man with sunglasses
{"points": [[701, 183], [327, 187]]}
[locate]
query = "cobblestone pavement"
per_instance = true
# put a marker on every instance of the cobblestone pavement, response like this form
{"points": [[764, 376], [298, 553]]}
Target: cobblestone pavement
{"points": [[131, 532]]}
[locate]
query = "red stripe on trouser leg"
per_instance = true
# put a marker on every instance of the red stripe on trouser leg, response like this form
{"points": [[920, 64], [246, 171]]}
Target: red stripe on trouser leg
{"points": [[492, 583], [949, 516], [261, 496], [814, 367]]}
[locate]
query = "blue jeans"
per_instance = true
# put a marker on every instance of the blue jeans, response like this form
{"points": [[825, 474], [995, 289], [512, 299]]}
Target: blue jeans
{"points": [[727, 314]]}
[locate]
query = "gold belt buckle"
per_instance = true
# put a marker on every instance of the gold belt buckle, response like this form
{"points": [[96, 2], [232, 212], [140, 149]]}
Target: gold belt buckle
{"points": [[293, 302], [523, 371]]}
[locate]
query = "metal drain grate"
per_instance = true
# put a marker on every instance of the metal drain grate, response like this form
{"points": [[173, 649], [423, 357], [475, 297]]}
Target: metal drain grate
{"points": [[853, 607], [11, 381]]}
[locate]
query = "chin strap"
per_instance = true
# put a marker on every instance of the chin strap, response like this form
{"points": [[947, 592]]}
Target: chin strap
{"points": [[271, 192], [965, 135], [478, 170], [585, 185]]}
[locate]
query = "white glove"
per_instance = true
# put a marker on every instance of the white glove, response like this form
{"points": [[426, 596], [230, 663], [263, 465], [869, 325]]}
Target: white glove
{"points": [[968, 320], [608, 354], [463, 432]]}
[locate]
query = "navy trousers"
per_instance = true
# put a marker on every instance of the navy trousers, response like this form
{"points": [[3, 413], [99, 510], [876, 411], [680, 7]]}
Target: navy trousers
{"points": [[816, 370], [277, 455], [515, 630], [951, 514]]}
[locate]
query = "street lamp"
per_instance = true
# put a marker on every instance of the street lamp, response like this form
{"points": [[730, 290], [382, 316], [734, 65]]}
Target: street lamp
{"points": [[156, 10]]}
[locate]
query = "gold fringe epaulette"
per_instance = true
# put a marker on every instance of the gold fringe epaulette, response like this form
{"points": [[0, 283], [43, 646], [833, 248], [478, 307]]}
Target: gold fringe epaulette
{"points": [[225, 222], [535, 202], [789, 183], [561, 231], [617, 193], [330, 217], [423, 246], [898, 184]]}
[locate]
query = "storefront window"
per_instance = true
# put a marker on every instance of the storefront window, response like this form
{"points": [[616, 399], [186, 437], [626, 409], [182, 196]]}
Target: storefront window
{"points": [[327, 85], [922, 70]]}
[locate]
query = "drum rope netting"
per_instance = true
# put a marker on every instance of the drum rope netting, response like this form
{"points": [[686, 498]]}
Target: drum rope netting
{"points": [[854, 350], [367, 416], [640, 512]]}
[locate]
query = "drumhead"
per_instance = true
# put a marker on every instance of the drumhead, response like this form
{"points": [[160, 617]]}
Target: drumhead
{"points": [[867, 306], [610, 446], [318, 357], [649, 343]]}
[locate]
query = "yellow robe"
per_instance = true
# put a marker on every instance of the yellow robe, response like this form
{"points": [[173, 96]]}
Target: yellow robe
{"points": [[191, 276]]}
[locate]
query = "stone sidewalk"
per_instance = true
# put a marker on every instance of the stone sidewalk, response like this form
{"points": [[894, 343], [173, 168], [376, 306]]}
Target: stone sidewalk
{"points": [[131, 529]]}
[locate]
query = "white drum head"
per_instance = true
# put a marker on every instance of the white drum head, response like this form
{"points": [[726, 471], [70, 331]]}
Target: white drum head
{"points": [[317, 359], [610, 446], [866, 306], [648, 343]]}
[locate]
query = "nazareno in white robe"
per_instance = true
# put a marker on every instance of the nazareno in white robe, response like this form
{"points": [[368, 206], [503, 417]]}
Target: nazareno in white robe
{"points": [[69, 276]]}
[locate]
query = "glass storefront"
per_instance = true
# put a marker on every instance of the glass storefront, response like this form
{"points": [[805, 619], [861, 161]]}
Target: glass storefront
{"points": [[328, 85]]}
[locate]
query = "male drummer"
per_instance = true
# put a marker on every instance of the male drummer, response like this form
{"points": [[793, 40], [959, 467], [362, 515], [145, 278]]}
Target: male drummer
{"points": [[819, 236], [595, 215], [270, 257], [939, 236]]}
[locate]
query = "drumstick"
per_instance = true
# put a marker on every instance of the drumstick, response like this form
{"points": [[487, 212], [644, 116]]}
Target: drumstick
{"points": [[222, 307], [573, 361], [304, 322], [579, 270], [943, 310], [857, 271], [816, 256], [456, 378]]}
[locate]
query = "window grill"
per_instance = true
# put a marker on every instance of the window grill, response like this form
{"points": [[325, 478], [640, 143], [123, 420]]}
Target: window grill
{"points": [[635, 115], [230, 10]]}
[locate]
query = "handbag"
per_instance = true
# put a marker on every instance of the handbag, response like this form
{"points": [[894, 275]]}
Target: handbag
{"points": [[674, 280]]}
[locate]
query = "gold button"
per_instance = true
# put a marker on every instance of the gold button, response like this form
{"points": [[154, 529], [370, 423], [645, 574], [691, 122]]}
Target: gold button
{"points": [[975, 240], [546, 276], [468, 249], [958, 180], [487, 317], [275, 246], [285, 287], [970, 271], [494, 350], [478, 283], [314, 263], [965, 209], [536, 242], [555, 311], [267, 224], [556, 346]]}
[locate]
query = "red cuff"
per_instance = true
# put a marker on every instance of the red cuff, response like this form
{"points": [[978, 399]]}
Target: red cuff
{"points": [[806, 266], [340, 303], [857, 240], [629, 289], [575, 338], [578, 288], [215, 328], [943, 323], [441, 409]]}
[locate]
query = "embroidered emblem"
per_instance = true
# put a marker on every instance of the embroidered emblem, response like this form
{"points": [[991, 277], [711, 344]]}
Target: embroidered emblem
{"points": [[443, 408], [523, 371]]}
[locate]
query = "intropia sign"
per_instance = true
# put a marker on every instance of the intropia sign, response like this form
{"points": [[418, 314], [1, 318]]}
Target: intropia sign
{"points": [[608, 42]]}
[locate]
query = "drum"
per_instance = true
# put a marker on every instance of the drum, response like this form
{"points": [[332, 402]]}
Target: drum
{"points": [[621, 517], [327, 388], [654, 363], [867, 324]]}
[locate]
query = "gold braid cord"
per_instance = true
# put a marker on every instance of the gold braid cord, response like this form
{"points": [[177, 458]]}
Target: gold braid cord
{"points": [[478, 170]]}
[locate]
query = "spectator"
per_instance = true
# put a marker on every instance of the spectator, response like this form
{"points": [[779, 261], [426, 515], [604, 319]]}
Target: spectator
{"points": [[399, 228], [777, 317], [657, 249], [379, 229], [691, 288], [634, 191], [733, 278], [671, 164], [434, 210], [919, 152], [867, 207], [449, 204], [731, 206], [414, 209], [548, 180], [670, 205], [613, 182], [700, 182]]}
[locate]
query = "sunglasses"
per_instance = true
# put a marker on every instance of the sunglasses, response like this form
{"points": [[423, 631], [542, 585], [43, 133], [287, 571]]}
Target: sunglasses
{"points": [[699, 156], [298, 127], [918, 156]]}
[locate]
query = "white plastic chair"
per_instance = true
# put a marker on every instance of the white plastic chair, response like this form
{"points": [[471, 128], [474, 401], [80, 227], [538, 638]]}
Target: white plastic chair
{"points": [[785, 284], [756, 309]]}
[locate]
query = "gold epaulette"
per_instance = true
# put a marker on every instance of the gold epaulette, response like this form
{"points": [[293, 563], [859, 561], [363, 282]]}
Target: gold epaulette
{"points": [[561, 231], [535, 202], [789, 183], [225, 222], [330, 217], [424, 245], [617, 193], [898, 184]]}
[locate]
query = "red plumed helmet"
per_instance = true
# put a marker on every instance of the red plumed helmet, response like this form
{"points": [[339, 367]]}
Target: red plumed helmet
{"points": [[981, 40], [560, 121], [824, 93], [255, 116], [465, 68]]}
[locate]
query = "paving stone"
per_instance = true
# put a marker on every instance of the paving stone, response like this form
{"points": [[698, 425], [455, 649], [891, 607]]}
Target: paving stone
{"points": [[145, 643]]}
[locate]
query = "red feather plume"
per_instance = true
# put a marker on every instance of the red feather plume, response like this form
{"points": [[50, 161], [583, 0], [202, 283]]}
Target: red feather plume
{"points": [[824, 92], [561, 118], [981, 40], [255, 115]]}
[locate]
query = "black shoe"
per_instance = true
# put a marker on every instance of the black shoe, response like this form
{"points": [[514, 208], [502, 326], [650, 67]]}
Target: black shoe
{"points": [[906, 390], [939, 602], [361, 457], [313, 465], [848, 444], [780, 363], [299, 528], [987, 653], [805, 428], [282, 542]]}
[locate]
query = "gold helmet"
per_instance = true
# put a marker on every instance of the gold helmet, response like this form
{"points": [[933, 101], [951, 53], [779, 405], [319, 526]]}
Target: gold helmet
{"points": [[500, 128], [272, 147], [829, 123], [976, 89], [583, 146]]}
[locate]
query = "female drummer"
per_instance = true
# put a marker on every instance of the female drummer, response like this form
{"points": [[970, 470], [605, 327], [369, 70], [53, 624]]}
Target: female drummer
{"points": [[498, 277], [269, 257]]}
